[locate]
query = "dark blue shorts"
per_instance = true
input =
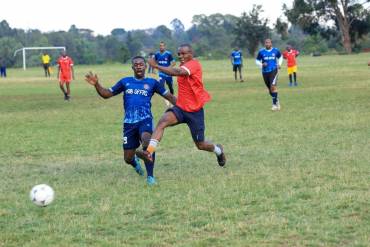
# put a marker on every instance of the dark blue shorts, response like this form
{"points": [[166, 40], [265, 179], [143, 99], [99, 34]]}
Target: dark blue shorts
{"points": [[195, 121], [132, 133], [270, 78], [165, 79]]}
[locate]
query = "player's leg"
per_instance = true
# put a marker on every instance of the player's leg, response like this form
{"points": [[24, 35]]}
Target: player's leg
{"points": [[68, 89], [274, 91], [162, 81], [235, 72], [240, 73], [295, 75], [131, 141], [290, 76], [169, 83], [44, 66], [195, 122], [171, 117], [61, 86], [295, 78], [146, 129], [48, 69]]}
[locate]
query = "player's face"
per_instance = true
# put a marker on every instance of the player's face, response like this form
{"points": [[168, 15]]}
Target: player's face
{"points": [[139, 67], [162, 47], [185, 54], [268, 44]]}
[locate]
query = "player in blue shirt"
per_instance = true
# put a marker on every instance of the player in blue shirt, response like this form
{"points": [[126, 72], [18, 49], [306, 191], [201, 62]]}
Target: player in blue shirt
{"points": [[138, 119], [164, 58], [236, 58], [269, 59]]}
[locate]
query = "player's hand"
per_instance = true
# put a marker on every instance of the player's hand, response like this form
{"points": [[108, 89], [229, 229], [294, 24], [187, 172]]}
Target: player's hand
{"points": [[279, 67], [91, 78], [264, 64]]}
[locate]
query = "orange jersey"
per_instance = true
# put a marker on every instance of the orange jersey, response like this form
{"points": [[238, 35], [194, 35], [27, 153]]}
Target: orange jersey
{"points": [[290, 57], [65, 64], [191, 93]]}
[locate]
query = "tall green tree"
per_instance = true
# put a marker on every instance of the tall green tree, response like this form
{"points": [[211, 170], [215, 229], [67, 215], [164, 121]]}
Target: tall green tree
{"points": [[251, 29], [317, 12]]}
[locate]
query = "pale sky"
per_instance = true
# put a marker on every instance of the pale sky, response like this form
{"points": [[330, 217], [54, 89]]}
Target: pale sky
{"points": [[103, 16]]}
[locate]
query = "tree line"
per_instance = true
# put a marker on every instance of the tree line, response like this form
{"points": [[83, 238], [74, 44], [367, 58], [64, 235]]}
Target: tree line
{"points": [[312, 26]]}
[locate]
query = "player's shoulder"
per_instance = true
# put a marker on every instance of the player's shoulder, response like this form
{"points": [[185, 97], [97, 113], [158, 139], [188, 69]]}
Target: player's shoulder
{"points": [[150, 80]]}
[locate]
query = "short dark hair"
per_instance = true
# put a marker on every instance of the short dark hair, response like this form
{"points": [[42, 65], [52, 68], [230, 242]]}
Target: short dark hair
{"points": [[136, 57], [187, 45]]}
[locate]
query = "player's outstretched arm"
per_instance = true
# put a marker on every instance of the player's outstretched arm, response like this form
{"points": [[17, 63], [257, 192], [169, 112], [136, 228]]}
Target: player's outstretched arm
{"points": [[168, 70], [93, 80], [170, 97]]}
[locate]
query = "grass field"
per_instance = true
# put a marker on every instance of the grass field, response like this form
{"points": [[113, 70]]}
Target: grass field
{"points": [[298, 177]]}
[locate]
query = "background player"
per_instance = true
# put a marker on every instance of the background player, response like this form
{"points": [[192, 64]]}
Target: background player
{"points": [[65, 74], [270, 60], [290, 54], [165, 59], [45, 59], [189, 106], [138, 120], [236, 58]]}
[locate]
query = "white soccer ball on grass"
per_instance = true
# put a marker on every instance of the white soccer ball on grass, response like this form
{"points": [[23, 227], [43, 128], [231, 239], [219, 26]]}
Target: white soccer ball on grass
{"points": [[42, 195]]}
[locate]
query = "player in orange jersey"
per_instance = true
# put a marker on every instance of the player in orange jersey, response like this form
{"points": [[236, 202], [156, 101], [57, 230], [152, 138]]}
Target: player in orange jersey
{"points": [[65, 74], [191, 99], [290, 55]]}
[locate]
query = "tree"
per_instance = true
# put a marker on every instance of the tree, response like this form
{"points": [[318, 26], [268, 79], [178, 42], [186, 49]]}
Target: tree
{"points": [[317, 12], [281, 28], [251, 29]]}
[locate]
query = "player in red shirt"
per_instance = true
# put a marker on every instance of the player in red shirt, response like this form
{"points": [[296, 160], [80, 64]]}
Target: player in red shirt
{"points": [[189, 106], [290, 54], [65, 74]]}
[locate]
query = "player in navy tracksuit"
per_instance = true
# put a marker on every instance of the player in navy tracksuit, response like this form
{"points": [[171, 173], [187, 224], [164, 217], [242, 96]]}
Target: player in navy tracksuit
{"points": [[138, 120]]}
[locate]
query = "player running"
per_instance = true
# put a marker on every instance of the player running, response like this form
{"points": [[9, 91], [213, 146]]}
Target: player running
{"points": [[236, 58], [269, 59], [290, 55], [138, 120], [65, 74], [189, 106], [164, 58]]}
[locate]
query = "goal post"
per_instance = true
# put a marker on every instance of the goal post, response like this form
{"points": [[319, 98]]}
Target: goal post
{"points": [[24, 49]]}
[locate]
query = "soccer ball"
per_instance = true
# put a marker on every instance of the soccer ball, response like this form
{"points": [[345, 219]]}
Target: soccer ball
{"points": [[42, 195]]}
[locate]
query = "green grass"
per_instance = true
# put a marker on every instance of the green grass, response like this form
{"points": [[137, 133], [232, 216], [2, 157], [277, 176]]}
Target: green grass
{"points": [[298, 177]]}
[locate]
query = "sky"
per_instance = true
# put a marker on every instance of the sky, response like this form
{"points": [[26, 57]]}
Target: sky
{"points": [[103, 16]]}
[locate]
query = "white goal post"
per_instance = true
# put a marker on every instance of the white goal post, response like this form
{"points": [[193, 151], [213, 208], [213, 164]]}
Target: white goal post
{"points": [[24, 49]]}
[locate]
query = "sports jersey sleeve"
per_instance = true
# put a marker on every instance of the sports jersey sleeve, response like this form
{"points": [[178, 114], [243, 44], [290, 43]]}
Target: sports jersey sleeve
{"points": [[70, 62], [117, 88], [259, 60], [278, 54], [159, 88]]}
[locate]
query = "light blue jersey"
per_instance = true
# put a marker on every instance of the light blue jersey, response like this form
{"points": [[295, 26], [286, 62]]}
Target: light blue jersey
{"points": [[163, 59], [137, 95], [270, 57]]}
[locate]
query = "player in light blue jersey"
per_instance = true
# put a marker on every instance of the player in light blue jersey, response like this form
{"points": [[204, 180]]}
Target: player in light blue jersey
{"points": [[269, 59], [165, 58], [236, 58], [138, 119]]}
